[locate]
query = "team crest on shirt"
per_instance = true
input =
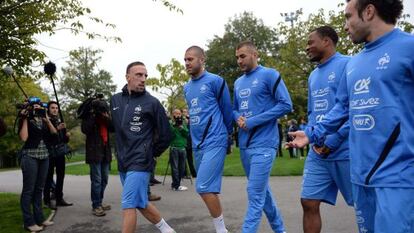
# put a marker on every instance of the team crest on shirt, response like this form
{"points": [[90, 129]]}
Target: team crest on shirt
{"points": [[203, 88], [138, 109], [255, 82], [331, 77], [383, 62]]}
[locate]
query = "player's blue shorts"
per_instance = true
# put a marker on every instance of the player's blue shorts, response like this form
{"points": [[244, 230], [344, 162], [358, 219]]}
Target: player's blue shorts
{"points": [[323, 178], [209, 166], [135, 189], [384, 210]]}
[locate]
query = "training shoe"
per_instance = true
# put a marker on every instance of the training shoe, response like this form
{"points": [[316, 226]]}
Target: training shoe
{"points": [[99, 212], [106, 207], [180, 188], [51, 205], [47, 223], [153, 197], [34, 228]]}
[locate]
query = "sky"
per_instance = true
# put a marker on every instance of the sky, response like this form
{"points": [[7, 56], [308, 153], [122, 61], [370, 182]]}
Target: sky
{"points": [[154, 35]]}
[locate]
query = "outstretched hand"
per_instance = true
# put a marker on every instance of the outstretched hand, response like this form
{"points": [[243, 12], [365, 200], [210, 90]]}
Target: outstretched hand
{"points": [[299, 139]]}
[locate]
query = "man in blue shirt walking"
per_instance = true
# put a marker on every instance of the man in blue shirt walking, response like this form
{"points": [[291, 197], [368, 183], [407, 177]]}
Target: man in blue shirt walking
{"points": [[260, 98], [377, 98], [327, 165], [208, 101]]}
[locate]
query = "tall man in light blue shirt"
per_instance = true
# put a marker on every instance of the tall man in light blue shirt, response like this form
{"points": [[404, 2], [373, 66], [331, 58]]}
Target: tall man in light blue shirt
{"points": [[260, 98]]}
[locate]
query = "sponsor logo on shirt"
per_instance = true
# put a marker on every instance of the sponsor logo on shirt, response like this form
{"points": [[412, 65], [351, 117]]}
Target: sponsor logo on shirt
{"points": [[194, 102], [383, 62], [320, 92], [319, 117], [364, 103], [320, 105], [195, 120], [244, 93], [244, 104], [362, 86], [363, 122]]}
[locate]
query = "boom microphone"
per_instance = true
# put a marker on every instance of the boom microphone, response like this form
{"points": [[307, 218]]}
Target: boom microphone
{"points": [[9, 71]]}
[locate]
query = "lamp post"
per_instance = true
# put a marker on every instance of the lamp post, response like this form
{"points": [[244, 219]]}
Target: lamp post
{"points": [[291, 16]]}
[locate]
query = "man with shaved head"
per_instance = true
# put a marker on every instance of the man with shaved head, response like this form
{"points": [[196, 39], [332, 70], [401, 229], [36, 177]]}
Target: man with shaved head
{"points": [[208, 100], [177, 150], [260, 98]]}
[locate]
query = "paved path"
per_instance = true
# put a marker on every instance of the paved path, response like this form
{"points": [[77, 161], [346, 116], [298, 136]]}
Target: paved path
{"points": [[183, 210]]}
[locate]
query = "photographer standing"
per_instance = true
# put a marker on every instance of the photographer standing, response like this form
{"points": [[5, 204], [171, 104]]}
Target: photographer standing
{"points": [[96, 126], [177, 150], [34, 129], [57, 151]]}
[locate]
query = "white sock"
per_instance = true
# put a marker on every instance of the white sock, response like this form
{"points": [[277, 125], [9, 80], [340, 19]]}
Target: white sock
{"points": [[219, 224], [164, 227]]}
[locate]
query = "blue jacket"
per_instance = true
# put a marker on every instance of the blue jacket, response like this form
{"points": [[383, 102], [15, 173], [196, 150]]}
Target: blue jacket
{"points": [[378, 99], [260, 96], [322, 87], [208, 101], [142, 130]]}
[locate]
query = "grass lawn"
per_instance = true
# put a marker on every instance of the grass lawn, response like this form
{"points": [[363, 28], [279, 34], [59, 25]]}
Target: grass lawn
{"points": [[11, 220], [283, 166]]}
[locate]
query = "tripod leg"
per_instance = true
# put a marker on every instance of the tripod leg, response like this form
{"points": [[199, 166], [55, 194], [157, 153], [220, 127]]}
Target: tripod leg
{"points": [[166, 171]]}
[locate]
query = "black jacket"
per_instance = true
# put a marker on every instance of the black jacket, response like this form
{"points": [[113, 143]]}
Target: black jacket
{"points": [[142, 130], [96, 151]]}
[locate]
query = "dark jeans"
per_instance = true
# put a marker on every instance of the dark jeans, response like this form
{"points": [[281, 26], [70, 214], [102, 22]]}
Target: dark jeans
{"points": [[58, 162], [34, 178], [177, 161], [99, 180]]}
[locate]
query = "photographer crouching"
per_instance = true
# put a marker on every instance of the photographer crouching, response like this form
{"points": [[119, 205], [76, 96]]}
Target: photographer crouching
{"points": [[96, 125], [34, 129], [58, 148]]}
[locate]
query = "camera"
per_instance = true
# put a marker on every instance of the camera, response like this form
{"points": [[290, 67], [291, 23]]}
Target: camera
{"points": [[32, 111], [95, 105], [178, 121]]}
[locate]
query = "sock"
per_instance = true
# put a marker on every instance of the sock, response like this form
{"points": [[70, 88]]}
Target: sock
{"points": [[164, 227], [219, 224]]}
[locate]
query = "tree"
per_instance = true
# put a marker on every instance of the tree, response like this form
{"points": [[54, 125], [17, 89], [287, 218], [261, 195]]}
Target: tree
{"points": [[20, 21], [170, 84], [82, 79], [221, 50]]}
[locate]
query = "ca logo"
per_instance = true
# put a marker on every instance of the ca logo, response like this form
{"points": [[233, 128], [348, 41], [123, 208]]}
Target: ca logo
{"points": [[362, 86]]}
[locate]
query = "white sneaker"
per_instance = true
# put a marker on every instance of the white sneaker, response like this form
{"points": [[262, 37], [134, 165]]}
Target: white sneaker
{"points": [[47, 223], [35, 228], [181, 188]]}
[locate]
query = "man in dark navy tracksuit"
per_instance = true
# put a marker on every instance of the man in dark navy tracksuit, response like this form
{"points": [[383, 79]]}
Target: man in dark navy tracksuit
{"points": [[142, 133]]}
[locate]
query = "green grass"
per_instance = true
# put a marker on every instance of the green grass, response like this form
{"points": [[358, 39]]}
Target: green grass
{"points": [[284, 166], [11, 220]]}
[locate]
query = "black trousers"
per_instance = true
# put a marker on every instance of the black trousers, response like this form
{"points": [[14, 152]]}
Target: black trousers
{"points": [[59, 163]]}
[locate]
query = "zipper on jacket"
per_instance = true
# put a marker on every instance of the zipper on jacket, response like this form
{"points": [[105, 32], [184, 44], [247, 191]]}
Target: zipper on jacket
{"points": [[387, 148]]}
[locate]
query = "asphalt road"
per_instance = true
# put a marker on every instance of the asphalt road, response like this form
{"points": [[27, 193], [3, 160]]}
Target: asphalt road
{"points": [[184, 211]]}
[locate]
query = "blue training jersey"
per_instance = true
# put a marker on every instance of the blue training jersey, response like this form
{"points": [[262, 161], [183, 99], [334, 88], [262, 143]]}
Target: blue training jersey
{"points": [[209, 106], [322, 87], [260, 96], [378, 99]]}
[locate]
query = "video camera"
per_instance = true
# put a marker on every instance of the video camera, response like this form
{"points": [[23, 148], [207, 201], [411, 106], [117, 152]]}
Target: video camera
{"points": [[32, 111], [178, 121], [93, 105]]}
